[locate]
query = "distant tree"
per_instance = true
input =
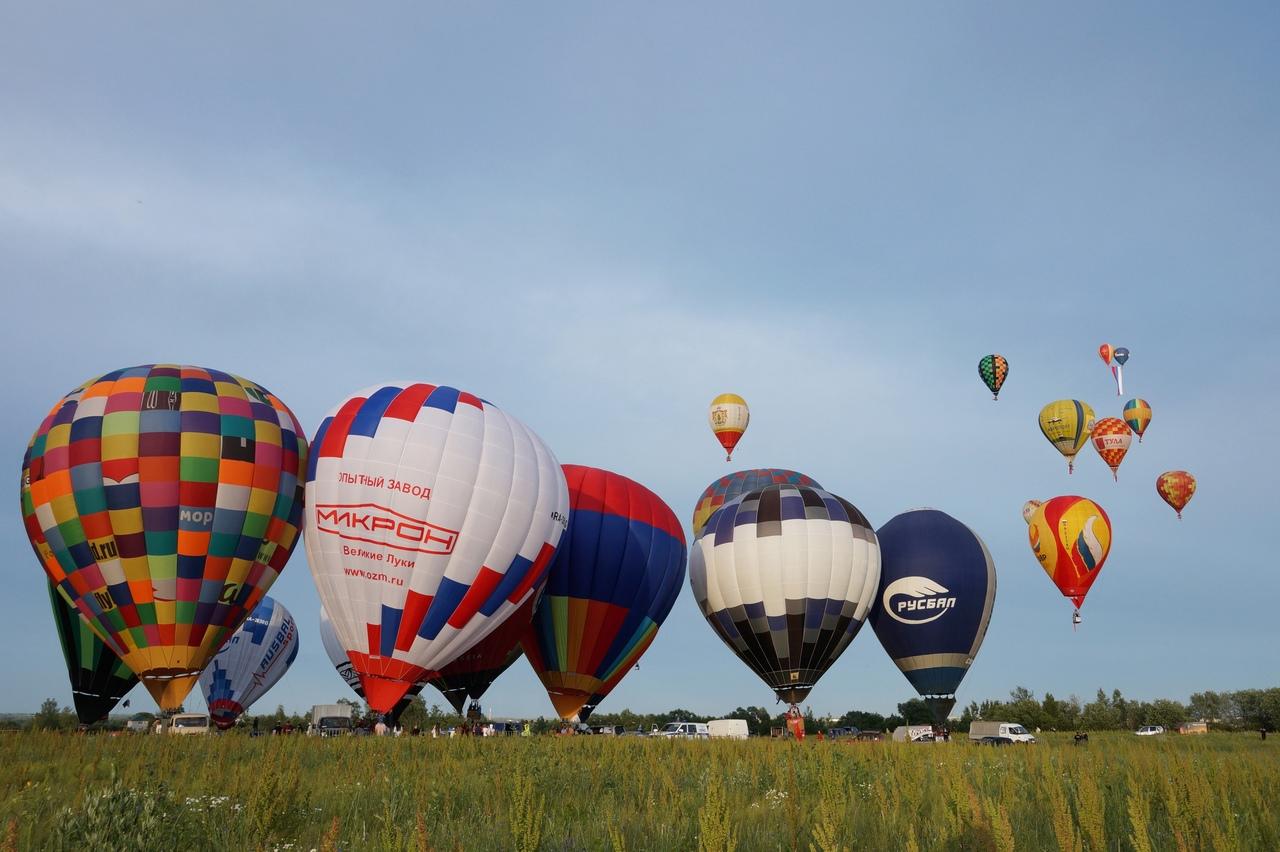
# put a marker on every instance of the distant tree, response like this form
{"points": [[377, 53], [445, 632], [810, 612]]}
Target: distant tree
{"points": [[49, 718], [916, 712]]}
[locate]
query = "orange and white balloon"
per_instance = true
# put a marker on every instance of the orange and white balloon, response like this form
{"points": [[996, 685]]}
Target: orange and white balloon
{"points": [[1111, 437]]}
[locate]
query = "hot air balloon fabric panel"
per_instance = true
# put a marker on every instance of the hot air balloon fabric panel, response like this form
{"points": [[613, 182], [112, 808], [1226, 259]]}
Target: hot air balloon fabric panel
{"points": [[250, 663], [1176, 487], [471, 675], [99, 679], [618, 573], [937, 589], [728, 488], [993, 369], [1137, 413], [1071, 537], [1029, 510], [728, 417], [1067, 424], [432, 516], [164, 501], [785, 576], [338, 657]]}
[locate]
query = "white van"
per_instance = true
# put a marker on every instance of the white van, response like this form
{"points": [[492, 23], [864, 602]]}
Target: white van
{"points": [[979, 731], [189, 723], [685, 730], [728, 729]]}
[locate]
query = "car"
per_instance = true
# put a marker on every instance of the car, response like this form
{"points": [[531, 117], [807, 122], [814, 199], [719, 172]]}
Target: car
{"points": [[870, 737], [1150, 730], [685, 730], [996, 741]]}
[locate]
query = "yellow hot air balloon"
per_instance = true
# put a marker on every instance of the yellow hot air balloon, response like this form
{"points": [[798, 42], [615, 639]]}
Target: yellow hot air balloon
{"points": [[1067, 424], [728, 417]]}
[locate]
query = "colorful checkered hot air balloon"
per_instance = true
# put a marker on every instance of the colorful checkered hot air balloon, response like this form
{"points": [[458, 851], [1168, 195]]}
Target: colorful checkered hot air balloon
{"points": [[993, 369], [98, 677], [1176, 487], [728, 488], [1137, 413], [937, 590], [1071, 537], [163, 501], [1066, 423], [1111, 437], [785, 576], [728, 418], [613, 582], [432, 516], [251, 662]]}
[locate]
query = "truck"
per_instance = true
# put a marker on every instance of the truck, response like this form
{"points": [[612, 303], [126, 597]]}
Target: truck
{"points": [[331, 720], [728, 729], [979, 731], [188, 723]]}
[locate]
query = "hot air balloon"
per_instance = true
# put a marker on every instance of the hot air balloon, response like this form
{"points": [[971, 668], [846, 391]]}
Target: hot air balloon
{"points": [[937, 588], [98, 678], [432, 516], [728, 488], [993, 369], [1121, 357], [1029, 509], [1137, 413], [164, 501], [728, 417], [1104, 352], [1111, 438], [338, 657], [611, 585], [471, 675], [1067, 424], [251, 662], [1176, 487], [785, 576], [1071, 537]]}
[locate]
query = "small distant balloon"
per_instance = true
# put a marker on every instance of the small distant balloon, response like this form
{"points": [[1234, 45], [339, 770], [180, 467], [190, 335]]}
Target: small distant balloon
{"points": [[729, 416], [1121, 356], [1111, 438], [1176, 487], [1104, 352], [1137, 413], [1067, 423], [993, 369], [1029, 509]]}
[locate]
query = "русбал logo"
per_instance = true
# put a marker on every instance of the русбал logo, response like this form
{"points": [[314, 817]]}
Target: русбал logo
{"points": [[919, 600]]}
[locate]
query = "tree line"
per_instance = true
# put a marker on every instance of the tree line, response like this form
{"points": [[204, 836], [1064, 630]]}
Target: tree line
{"points": [[1243, 710]]}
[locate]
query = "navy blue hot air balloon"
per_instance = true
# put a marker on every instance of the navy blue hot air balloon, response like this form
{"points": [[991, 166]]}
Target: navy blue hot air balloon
{"points": [[937, 589]]}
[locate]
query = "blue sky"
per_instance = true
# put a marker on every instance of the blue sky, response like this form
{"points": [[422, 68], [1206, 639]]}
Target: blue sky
{"points": [[599, 218]]}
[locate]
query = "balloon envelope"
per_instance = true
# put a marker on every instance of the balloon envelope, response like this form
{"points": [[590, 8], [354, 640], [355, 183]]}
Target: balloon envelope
{"points": [[471, 675], [1071, 537], [1176, 487], [1111, 438], [99, 679], [993, 369], [1121, 356], [1029, 510], [250, 663], [432, 516], [338, 657], [728, 417], [1104, 352], [937, 589], [726, 489], [1066, 423], [785, 576], [1137, 413], [164, 501], [612, 583]]}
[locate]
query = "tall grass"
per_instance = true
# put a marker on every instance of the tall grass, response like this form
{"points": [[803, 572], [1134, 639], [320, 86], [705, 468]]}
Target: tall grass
{"points": [[60, 791]]}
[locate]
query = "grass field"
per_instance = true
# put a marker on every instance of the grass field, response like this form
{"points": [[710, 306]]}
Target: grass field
{"points": [[1219, 791]]}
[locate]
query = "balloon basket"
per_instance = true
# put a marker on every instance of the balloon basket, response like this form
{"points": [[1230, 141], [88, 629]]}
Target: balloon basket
{"points": [[1075, 620]]}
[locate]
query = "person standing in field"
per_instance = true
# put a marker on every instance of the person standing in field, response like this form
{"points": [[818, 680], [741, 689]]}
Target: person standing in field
{"points": [[380, 729]]}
